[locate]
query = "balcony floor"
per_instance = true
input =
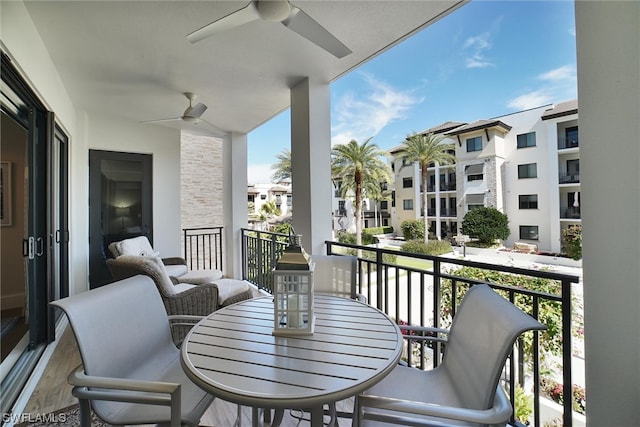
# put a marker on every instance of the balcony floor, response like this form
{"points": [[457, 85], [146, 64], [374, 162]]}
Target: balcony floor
{"points": [[53, 392]]}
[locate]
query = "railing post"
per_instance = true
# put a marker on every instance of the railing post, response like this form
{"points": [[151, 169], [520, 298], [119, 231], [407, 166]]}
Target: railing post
{"points": [[437, 291], [379, 278], [567, 352]]}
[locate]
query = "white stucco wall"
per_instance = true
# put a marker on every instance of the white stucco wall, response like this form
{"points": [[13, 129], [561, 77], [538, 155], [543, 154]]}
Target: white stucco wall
{"points": [[87, 130]]}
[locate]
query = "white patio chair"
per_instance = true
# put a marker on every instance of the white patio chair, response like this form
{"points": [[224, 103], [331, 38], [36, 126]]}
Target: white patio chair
{"points": [[131, 371], [336, 275], [464, 389]]}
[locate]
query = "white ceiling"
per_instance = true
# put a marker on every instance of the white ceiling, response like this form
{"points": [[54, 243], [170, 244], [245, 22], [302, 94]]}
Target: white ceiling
{"points": [[131, 58]]}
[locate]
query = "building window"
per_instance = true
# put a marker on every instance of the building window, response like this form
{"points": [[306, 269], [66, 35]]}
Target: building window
{"points": [[263, 197], [529, 232], [407, 182], [474, 144], [528, 201], [527, 140], [571, 134], [474, 172], [288, 199], [529, 170], [384, 205], [407, 204]]}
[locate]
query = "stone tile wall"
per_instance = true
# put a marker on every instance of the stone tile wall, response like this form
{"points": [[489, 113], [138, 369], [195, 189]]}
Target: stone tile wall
{"points": [[201, 181]]}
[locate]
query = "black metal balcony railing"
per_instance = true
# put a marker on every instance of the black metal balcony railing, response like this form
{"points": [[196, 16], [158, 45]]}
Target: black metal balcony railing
{"points": [[570, 213], [443, 212], [203, 247], [260, 251], [571, 178], [564, 143], [417, 296]]}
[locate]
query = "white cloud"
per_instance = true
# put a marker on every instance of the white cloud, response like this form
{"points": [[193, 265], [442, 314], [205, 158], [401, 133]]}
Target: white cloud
{"points": [[530, 100], [556, 85], [478, 45], [259, 174], [362, 116], [564, 73]]}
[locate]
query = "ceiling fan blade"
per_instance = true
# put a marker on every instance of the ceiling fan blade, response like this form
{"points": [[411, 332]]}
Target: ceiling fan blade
{"points": [[235, 19], [163, 120], [195, 111], [212, 128], [308, 28]]}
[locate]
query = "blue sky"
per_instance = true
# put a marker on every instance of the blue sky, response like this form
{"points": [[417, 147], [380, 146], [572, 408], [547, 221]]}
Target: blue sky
{"points": [[487, 59]]}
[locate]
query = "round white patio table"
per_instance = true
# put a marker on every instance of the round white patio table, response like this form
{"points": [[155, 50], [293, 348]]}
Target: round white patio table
{"points": [[233, 355]]}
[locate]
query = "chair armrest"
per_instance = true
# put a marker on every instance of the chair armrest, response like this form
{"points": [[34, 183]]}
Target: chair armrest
{"points": [[499, 413], [200, 300], [127, 390], [176, 260]]}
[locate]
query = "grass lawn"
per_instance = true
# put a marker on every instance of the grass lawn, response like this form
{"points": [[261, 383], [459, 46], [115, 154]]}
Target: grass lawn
{"points": [[403, 261]]}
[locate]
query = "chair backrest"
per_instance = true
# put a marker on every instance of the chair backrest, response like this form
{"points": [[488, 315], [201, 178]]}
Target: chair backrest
{"points": [[335, 275], [120, 327], [130, 265], [482, 335], [139, 246]]}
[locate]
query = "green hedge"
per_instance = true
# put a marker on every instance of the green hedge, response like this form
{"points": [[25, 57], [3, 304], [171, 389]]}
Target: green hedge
{"points": [[433, 247]]}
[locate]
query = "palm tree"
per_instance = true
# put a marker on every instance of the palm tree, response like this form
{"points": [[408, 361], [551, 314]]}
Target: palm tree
{"points": [[269, 210], [425, 149], [282, 168], [361, 170]]}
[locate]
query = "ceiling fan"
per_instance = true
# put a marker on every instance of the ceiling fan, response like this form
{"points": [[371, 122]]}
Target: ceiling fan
{"points": [[282, 11], [192, 115]]}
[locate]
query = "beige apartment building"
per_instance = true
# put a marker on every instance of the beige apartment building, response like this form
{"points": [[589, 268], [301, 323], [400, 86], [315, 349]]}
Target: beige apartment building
{"points": [[525, 164]]}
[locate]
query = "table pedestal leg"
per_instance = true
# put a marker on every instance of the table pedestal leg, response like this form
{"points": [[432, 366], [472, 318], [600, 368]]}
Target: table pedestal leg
{"points": [[317, 416], [255, 417]]}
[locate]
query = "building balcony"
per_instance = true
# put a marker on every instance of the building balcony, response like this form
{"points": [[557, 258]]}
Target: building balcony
{"points": [[572, 178], [564, 143], [570, 213], [428, 296]]}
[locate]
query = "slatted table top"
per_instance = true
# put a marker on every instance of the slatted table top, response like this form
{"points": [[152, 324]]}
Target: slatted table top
{"points": [[234, 355]]}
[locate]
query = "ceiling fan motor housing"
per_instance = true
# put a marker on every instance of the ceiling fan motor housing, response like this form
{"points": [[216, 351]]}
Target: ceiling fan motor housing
{"points": [[273, 10]]}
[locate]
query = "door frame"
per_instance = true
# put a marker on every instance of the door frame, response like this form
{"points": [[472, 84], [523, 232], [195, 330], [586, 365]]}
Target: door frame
{"points": [[98, 242]]}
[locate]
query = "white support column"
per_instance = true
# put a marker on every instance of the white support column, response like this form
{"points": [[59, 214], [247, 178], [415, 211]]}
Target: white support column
{"points": [[235, 207], [555, 235], [311, 163], [607, 41]]}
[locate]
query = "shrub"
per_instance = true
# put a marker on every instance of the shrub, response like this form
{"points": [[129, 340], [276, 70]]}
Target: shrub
{"points": [[553, 390], [433, 247], [572, 237], [523, 404], [283, 227], [344, 237], [412, 229], [350, 238], [486, 224], [379, 230]]}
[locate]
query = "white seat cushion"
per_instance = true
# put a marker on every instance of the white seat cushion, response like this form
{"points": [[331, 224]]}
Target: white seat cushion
{"points": [[230, 287], [136, 246], [181, 287], [199, 277]]}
